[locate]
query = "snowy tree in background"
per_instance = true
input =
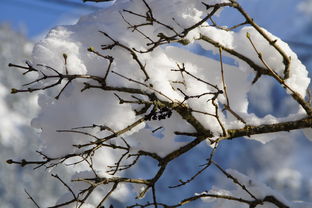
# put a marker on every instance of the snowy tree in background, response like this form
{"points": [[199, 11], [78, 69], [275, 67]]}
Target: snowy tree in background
{"points": [[124, 89], [306, 7], [17, 139], [8, 50]]}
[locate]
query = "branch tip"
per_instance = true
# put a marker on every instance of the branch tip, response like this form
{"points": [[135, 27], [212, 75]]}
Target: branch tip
{"points": [[14, 91]]}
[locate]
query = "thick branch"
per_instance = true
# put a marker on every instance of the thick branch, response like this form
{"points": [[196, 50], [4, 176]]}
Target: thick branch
{"points": [[268, 128]]}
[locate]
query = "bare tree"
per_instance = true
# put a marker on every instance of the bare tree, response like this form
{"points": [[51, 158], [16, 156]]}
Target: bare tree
{"points": [[205, 102]]}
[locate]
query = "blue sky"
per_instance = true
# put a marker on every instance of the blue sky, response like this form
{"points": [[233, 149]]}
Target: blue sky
{"points": [[33, 17]]}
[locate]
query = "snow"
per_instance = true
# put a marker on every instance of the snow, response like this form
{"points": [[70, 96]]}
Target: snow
{"points": [[74, 40], [162, 141], [54, 46], [76, 109]]}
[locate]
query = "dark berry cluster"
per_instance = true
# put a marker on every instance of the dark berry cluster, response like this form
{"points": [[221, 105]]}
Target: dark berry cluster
{"points": [[159, 114]]}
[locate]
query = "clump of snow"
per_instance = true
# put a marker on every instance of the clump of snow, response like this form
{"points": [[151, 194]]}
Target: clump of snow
{"points": [[57, 43], [238, 41], [92, 106], [77, 109], [298, 80]]}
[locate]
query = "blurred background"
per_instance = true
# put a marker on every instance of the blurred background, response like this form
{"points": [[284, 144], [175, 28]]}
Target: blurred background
{"points": [[284, 164]]}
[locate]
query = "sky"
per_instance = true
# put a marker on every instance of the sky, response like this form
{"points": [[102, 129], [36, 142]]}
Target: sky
{"points": [[34, 17]]}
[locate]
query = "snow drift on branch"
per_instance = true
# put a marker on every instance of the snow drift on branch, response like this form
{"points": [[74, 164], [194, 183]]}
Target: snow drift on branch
{"points": [[75, 109]]}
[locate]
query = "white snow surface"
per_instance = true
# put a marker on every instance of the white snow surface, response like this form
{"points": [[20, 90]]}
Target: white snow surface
{"points": [[75, 109]]}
